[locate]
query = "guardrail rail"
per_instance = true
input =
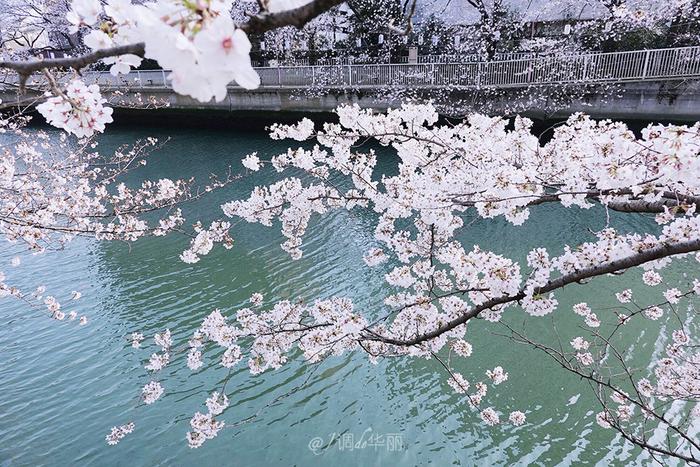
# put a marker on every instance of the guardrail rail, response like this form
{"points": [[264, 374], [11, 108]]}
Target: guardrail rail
{"points": [[639, 65]]}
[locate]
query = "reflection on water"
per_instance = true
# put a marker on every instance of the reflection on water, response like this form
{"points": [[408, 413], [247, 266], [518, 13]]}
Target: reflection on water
{"points": [[64, 386]]}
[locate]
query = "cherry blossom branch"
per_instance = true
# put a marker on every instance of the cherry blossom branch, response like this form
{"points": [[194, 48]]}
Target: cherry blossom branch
{"points": [[565, 363], [652, 254], [669, 200], [297, 17]]}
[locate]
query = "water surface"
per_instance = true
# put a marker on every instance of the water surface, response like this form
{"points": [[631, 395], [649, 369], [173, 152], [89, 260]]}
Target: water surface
{"points": [[62, 387]]}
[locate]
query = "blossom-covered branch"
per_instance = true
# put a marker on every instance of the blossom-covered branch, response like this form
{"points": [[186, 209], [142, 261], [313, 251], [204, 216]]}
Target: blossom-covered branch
{"points": [[212, 50], [53, 191], [630, 401], [653, 254], [445, 173], [667, 200]]}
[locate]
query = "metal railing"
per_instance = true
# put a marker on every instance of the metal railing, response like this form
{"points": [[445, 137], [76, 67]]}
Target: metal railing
{"points": [[306, 62], [641, 65], [470, 58]]}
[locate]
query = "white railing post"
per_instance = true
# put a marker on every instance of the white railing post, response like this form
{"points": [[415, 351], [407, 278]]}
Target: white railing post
{"points": [[313, 75], [279, 76], [349, 75], [162, 72], [138, 77], [646, 64]]}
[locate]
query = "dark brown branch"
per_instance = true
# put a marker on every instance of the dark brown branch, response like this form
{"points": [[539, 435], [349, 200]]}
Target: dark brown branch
{"points": [[638, 259], [639, 205], [297, 17], [669, 200], [26, 68]]}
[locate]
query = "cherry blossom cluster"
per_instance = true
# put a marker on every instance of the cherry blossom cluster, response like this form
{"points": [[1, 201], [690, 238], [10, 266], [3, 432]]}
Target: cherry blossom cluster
{"points": [[637, 402], [586, 160], [204, 240], [78, 110], [198, 42], [63, 190], [648, 404], [678, 374], [55, 189], [479, 165], [118, 433], [205, 426], [324, 328], [327, 327], [54, 306], [461, 385]]}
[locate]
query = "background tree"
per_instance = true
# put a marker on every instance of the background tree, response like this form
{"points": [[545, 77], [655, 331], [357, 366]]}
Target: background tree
{"points": [[684, 28], [369, 26], [498, 26], [433, 36], [33, 27]]}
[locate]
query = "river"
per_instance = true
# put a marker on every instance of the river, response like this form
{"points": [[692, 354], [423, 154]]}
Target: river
{"points": [[62, 386]]}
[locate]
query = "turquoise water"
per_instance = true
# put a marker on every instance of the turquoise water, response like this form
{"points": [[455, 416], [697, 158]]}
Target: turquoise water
{"points": [[62, 387]]}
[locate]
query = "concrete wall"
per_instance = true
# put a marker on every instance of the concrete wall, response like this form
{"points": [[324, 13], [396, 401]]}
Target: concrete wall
{"points": [[667, 100], [273, 100]]}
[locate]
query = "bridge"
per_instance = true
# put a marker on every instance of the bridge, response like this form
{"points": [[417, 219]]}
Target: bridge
{"points": [[655, 83]]}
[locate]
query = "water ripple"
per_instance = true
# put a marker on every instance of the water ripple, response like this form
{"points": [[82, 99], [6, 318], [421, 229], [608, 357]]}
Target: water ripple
{"points": [[64, 386]]}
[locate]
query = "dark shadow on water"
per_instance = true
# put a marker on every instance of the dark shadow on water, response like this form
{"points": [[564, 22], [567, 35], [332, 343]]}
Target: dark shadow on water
{"points": [[259, 120], [211, 118]]}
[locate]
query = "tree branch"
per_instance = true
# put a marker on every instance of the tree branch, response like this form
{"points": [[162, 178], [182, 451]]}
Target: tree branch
{"points": [[638, 259], [641, 206], [561, 359], [297, 17], [669, 200], [26, 68]]}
